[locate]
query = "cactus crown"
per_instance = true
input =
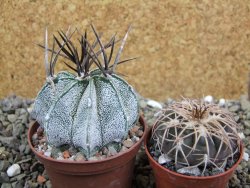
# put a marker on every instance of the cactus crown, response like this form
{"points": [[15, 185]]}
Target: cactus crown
{"points": [[196, 135], [89, 110], [84, 58]]}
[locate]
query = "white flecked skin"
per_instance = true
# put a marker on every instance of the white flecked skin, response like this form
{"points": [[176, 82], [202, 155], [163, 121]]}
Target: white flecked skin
{"points": [[88, 113]]}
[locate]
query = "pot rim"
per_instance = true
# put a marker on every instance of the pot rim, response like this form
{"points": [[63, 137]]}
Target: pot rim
{"points": [[141, 120], [185, 176]]}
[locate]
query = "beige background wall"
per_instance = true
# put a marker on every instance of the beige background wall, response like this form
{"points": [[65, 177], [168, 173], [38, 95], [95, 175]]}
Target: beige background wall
{"points": [[190, 48]]}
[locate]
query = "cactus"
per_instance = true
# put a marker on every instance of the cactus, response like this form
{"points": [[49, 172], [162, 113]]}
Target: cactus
{"points": [[89, 110], [196, 135]]}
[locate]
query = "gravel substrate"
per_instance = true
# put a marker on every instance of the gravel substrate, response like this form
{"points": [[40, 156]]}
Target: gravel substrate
{"points": [[19, 167]]}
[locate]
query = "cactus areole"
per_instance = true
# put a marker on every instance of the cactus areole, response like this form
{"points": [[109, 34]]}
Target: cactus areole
{"points": [[89, 110]]}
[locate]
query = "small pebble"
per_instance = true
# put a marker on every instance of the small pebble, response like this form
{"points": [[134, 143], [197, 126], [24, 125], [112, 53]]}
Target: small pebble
{"points": [[194, 171], [135, 128], [66, 154], [112, 151], [248, 116], [124, 149], [246, 156], [135, 138], [105, 151], [30, 109], [39, 131], [21, 148], [139, 133], [163, 159], [128, 143], [14, 170], [72, 158], [40, 179], [234, 108], [6, 185], [34, 136], [48, 184], [94, 158], [60, 158], [12, 118], [47, 153], [241, 135], [222, 102], [79, 157], [4, 165], [154, 104], [208, 99]]}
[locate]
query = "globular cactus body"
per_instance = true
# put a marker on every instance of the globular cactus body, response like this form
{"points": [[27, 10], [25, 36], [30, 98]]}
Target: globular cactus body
{"points": [[194, 134], [91, 110], [87, 113]]}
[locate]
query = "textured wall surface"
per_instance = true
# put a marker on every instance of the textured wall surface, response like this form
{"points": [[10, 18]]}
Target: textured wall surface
{"points": [[186, 47]]}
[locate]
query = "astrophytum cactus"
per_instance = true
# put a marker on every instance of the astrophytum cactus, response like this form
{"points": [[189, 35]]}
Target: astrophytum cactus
{"points": [[197, 136], [89, 110]]}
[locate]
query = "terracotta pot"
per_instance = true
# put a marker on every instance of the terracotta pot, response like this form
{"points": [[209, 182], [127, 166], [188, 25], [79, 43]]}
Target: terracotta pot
{"points": [[166, 178], [113, 172]]}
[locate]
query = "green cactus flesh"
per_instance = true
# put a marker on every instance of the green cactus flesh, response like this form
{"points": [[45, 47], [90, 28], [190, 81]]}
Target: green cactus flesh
{"points": [[194, 134], [86, 113]]}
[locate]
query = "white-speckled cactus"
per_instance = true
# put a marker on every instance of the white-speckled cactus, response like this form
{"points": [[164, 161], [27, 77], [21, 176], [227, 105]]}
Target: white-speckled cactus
{"points": [[92, 109]]}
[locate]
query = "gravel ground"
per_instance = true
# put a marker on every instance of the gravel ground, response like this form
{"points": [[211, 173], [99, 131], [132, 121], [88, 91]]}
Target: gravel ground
{"points": [[19, 167]]}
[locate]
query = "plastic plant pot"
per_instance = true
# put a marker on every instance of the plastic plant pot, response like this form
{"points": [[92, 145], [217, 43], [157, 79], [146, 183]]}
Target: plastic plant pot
{"points": [[112, 172], [166, 178]]}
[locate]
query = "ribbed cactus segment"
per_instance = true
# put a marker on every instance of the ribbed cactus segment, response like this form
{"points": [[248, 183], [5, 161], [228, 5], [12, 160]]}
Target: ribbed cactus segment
{"points": [[194, 134], [88, 113], [49, 93]]}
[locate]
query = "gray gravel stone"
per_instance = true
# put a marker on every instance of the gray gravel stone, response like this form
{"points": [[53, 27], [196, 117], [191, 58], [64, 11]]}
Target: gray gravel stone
{"points": [[7, 131], [6, 185], [236, 118], [142, 180], [4, 177], [143, 103], [234, 181], [124, 148], [247, 124], [12, 118], [247, 132], [248, 116], [245, 104], [111, 151], [6, 105], [4, 165], [18, 177], [9, 141], [248, 165], [48, 184], [234, 108], [18, 129], [128, 143], [18, 184], [79, 157], [5, 123], [27, 150], [21, 148], [23, 118], [2, 118]]}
